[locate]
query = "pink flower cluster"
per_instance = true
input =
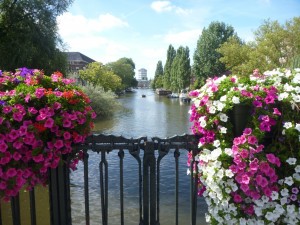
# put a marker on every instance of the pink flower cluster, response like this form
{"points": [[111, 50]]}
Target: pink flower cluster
{"points": [[255, 175], [39, 124]]}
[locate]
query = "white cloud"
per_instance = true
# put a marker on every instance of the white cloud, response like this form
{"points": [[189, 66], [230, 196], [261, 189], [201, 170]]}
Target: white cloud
{"points": [[183, 38], [161, 6], [166, 6], [70, 24]]}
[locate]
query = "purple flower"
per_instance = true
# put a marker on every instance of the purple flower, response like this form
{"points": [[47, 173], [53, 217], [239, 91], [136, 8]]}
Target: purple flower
{"points": [[295, 190], [293, 197], [24, 71]]}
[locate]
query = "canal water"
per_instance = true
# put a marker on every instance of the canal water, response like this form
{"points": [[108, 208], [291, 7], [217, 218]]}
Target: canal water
{"points": [[149, 116]]}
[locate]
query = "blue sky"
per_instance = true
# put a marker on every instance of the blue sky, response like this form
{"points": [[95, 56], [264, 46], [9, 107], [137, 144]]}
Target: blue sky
{"points": [[143, 29]]}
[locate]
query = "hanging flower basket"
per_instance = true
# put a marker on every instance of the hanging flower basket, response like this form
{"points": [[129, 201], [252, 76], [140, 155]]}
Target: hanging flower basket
{"points": [[249, 160], [41, 117]]}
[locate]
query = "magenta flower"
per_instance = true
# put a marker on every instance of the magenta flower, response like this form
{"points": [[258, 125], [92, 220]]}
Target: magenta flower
{"points": [[49, 123], [237, 198], [11, 172], [67, 135], [6, 109], [3, 146], [261, 181], [58, 144], [32, 110], [38, 158], [67, 123], [40, 92], [276, 112], [17, 116]]}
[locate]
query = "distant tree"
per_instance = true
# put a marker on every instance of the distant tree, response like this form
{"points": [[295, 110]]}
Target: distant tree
{"points": [[206, 56], [124, 68], [96, 74], [275, 46], [158, 77], [181, 70], [29, 35], [171, 53]]}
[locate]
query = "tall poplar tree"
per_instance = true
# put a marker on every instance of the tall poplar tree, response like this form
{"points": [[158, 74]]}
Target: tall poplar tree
{"points": [[181, 70], [206, 56], [168, 66], [29, 34], [158, 77]]}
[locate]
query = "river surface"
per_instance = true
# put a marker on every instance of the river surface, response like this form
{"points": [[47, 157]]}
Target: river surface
{"points": [[150, 116]]}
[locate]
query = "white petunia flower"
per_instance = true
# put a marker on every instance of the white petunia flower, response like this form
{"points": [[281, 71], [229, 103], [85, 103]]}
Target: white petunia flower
{"points": [[297, 127], [212, 109], [223, 98], [229, 173], [282, 96], [223, 130], [291, 161], [235, 100], [274, 195], [296, 98], [287, 125], [283, 201], [289, 181], [284, 192], [297, 89], [296, 176], [288, 87], [216, 143], [216, 153], [223, 117], [297, 169], [228, 151]]}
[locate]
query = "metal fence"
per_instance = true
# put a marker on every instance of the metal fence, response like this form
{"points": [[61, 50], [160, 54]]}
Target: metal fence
{"points": [[148, 154]]}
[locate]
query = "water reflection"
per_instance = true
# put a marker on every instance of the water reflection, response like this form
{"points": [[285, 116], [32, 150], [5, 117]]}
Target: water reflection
{"points": [[150, 116]]}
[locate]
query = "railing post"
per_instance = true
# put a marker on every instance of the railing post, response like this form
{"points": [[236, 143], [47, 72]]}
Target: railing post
{"points": [[59, 195], [149, 184]]}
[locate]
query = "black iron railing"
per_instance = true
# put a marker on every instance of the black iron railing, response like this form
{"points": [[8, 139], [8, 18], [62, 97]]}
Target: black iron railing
{"points": [[148, 154]]}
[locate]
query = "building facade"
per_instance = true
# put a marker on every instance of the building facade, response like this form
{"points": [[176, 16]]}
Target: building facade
{"points": [[142, 74], [77, 61]]}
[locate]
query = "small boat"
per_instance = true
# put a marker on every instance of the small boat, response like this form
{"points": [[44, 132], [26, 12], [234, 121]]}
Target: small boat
{"points": [[143, 96]]}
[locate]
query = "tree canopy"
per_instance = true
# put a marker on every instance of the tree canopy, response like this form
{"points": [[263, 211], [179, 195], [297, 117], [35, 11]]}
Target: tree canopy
{"points": [[206, 57], [275, 45], [97, 74], [29, 34], [124, 68]]}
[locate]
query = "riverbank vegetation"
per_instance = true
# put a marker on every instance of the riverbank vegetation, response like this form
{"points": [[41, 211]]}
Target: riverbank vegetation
{"points": [[104, 103]]}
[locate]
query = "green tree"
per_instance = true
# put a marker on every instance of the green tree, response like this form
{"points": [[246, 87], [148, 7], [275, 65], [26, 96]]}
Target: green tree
{"points": [[206, 56], [96, 74], [29, 35], [124, 68], [158, 77], [181, 70], [171, 53], [275, 46]]}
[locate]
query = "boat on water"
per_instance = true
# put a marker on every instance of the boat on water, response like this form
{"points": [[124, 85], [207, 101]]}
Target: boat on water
{"points": [[143, 96], [184, 96], [161, 91], [173, 95]]}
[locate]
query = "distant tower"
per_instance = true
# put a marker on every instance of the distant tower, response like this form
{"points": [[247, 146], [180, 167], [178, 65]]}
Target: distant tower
{"points": [[142, 75]]}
